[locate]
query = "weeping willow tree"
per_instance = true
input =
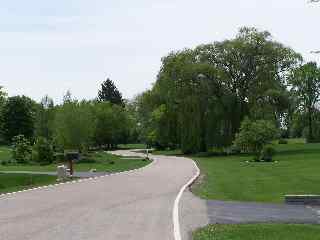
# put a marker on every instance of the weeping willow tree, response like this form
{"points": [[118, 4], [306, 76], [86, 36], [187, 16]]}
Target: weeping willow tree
{"points": [[203, 94]]}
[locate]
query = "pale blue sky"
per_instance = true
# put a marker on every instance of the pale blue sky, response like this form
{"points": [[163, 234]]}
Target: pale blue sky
{"points": [[48, 47]]}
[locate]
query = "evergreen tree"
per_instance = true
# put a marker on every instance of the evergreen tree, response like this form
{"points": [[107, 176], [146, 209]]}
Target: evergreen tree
{"points": [[109, 92]]}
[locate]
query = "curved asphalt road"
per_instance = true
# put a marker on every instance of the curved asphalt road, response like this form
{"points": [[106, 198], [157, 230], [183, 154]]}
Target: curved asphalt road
{"points": [[136, 205]]}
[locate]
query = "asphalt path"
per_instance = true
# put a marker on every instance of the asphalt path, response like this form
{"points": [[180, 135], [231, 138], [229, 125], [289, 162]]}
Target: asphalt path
{"points": [[233, 212], [134, 205]]}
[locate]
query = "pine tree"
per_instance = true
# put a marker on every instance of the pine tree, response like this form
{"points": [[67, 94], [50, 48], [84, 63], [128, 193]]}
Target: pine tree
{"points": [[109, 92]]}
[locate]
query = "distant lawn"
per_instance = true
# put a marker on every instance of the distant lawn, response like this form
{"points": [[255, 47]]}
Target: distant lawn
{"points": [[14, 182], [101, 161], [258, 232], [132, 146], [231, 178]]}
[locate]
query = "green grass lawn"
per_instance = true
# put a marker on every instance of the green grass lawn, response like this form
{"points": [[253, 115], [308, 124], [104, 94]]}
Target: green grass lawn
{"points": [[231, 178], [258, 232], [14, 182], [102, 162], [132, 146]]}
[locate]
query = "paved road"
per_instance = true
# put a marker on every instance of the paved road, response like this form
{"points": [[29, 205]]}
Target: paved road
{"points": [[246, 212], [136, 205]]}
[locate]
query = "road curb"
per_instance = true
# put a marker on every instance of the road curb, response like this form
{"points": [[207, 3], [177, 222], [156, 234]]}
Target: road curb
{"points": [[175, 211]]}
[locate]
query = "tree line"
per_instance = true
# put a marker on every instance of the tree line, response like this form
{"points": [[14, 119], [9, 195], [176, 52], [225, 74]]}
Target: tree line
{"points": [[243, 91], [74, 124], [202, 95]]}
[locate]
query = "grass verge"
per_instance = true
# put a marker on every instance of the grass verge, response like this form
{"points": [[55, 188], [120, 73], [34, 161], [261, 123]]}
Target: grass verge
{"points": [[101, 161], [258, 232], [11, 182]]}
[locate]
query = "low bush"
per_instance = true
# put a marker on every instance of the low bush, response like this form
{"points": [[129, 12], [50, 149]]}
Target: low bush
{"points": [[233, 150], [43, 151], [59, 157], [283, 141], [22, 150], [87, 159], [267, 153]]}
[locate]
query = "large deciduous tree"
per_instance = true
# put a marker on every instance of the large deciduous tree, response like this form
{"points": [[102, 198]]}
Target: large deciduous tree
{"points": [[305, 82], [206, 92], [74, 124], [18, 117], [45, 118]]}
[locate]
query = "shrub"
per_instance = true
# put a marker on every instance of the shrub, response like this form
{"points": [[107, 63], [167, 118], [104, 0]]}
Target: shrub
{"points": [[87, 159], [59, 157], [43, 151], [283, 141], [254, 135], [21, 149], [233, 150], [267, 153], [4, 162]]}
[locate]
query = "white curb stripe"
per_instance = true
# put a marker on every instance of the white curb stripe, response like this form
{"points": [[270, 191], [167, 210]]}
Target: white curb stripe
{"points": [[175, 214]]}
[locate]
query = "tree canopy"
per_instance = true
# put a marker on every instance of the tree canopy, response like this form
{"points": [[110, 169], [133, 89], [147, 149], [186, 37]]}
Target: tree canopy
{"points": [[202, 95], [109, 92]]}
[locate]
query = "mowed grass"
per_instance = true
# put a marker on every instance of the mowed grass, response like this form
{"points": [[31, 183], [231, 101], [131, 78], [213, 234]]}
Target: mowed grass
{"points": [[132, 146], [101, 161], [14, 182], [258, 232], [232, 178]]}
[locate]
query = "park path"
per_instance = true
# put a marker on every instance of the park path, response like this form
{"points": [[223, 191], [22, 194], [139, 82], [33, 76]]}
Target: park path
{"points": [[135, 205]]}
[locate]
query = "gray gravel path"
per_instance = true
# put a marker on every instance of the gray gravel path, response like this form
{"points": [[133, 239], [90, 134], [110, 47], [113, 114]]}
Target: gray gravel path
{"points": [[128, 206]]}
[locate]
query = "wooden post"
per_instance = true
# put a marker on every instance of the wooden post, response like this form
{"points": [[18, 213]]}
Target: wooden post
{"points": [[71, 167]]}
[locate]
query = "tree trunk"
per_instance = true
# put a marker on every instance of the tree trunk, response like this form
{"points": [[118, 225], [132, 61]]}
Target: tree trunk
{"points": [[310, 126]]}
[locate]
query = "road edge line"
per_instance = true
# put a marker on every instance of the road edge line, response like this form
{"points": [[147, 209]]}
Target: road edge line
{"points": [[175, 213]]}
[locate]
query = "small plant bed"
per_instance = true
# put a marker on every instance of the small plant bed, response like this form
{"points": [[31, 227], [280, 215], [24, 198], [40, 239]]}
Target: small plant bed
{"points": [[100, 161], [258, 232], [12, 182]]}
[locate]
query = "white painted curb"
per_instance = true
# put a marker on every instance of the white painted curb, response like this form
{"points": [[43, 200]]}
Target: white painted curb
{"points": [[77, 181], [175, 214]]}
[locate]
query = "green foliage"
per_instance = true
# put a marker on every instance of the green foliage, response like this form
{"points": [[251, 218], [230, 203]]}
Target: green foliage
{"points": [[74, 124], [112, 124], [305, 83], [21, 151], [43, 151], [267, 153], [3, 99], [110, 93], [18, 117], [45, 115], [59, 157], [283, 141], [202, 95], [254, 135]]}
